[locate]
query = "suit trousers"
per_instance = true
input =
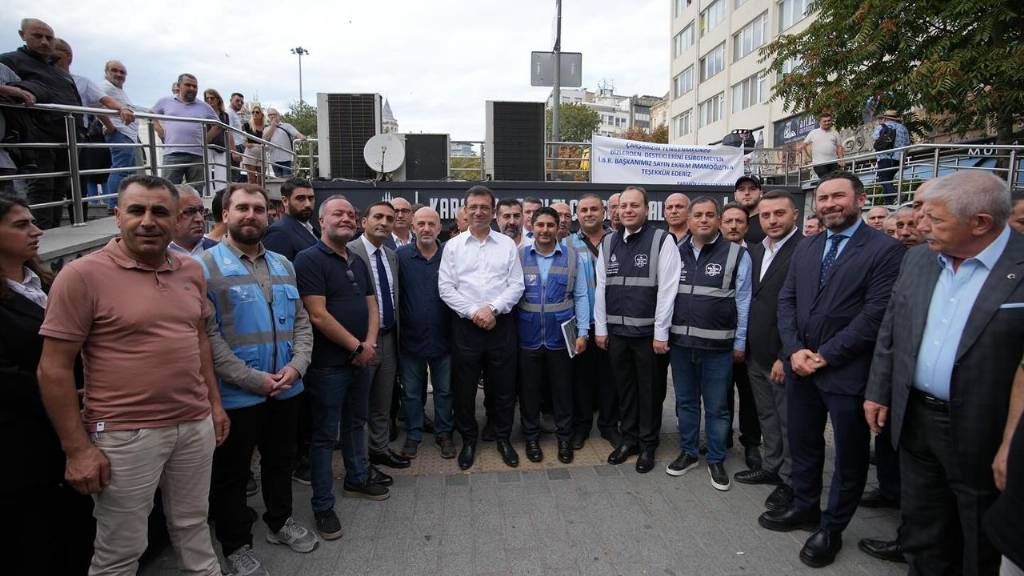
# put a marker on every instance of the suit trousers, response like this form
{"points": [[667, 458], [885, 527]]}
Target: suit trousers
{"points": [[750, 425], [770, 400], [941, 512], [382, 387], [270, 426], [594, 388], [542, 371], [635, 367], [493, 352], [887, 465], [808, 408]]}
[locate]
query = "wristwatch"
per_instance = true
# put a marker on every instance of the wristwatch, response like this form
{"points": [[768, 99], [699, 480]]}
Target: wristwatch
{"points": [[356, 352]]}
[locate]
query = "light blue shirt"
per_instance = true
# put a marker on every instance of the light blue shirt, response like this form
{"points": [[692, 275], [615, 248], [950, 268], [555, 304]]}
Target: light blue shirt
{"points": [[902, 139], [579, 287], [589, 269], [744, 290], [950, 308], [848, 232]]}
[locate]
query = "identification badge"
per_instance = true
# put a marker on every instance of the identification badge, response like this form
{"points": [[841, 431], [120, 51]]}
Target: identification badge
{"points": [[100, 426]]}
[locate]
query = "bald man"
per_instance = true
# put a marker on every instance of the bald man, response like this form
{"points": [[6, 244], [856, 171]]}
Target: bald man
{"points": [[677, 215], [876, 216], [401, 234], [613, 211], [564, 219]]}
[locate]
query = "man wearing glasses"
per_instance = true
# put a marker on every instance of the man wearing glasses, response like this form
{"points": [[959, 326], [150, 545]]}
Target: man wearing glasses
{"points": [[190, 228], [401, 234]]}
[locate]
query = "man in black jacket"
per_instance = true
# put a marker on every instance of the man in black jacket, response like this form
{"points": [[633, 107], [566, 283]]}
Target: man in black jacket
{"points": [[294, 231]]}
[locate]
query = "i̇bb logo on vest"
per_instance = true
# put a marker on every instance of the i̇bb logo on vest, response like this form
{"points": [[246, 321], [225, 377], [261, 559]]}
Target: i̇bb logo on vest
{"points": [[713, 269], [640, 260]]}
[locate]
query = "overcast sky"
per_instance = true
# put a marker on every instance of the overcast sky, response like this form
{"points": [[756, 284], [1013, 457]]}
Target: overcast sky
{"points": [[437, 62]]}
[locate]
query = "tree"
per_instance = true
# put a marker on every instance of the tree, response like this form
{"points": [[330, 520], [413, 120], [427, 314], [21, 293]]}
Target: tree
{"points": [[303, 117], [659, 135], [961, 61], [577, 122]]}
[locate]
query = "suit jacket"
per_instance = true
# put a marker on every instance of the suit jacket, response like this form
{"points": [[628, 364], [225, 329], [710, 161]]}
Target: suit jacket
{"points": [[288, 237], [840, 321], [989, 352], [763, 342], [356, 247]]}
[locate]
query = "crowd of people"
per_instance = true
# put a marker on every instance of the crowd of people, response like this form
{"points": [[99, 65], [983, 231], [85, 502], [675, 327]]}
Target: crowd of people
{"points": [[40, 72]]}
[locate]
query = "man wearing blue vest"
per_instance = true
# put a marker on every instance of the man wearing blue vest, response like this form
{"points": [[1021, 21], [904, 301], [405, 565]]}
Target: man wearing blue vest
{"points": [[637, 280], [261, 341], [709, 332], [555, 293]]}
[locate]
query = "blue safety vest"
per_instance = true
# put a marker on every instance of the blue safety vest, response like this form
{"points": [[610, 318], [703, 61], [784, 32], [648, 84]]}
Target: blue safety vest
{"points": [[545, 306], [705, 314]]}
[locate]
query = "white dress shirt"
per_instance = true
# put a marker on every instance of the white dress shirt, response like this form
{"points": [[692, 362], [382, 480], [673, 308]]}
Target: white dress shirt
{"points": [[668, 286], [30, 287], [195, 252], [474, 274], [371, 253], [770, 253]]}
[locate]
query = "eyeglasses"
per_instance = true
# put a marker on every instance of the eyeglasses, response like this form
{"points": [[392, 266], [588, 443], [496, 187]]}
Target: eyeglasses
{"points": [[352, 278]]}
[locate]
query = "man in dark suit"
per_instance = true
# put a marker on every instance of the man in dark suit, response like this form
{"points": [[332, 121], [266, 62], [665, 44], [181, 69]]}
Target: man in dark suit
{"points": [[830, 307], [778, 216], [943, 370], [294, 231]]}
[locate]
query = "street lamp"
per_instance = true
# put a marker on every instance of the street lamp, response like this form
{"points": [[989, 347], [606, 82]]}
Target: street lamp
{"points": [[300, 52]]}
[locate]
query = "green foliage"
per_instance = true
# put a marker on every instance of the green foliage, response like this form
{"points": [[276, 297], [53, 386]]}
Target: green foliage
{"points": [[659, 135], [302, 115], [576, 122], [962, 61]]}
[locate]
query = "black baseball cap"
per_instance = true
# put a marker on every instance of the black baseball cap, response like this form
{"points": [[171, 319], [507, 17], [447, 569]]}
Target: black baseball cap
{"points": [[752, 179]]}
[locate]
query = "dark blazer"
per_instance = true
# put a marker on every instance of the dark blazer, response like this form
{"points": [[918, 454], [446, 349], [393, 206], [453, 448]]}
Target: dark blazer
{"points": [[989, 352], [356, 247], [288, 237], [763, 342], [840, 321]]}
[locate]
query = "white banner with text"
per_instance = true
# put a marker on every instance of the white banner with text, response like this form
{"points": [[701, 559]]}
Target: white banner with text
{"points": [[617, 161]]}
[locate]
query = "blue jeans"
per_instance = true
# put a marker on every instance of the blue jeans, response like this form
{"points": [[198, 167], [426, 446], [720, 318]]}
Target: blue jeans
{"points": [[282, 169], [706, 374], [339, 396], [414, 378], [119, 158]]}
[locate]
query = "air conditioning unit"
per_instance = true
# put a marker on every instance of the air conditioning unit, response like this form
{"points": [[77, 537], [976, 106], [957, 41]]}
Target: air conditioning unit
{"points": [[515, 141], [426, 157], [345, 122]]}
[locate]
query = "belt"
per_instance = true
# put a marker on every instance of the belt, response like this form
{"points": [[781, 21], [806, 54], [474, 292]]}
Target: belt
{"points": [[929, 401]]}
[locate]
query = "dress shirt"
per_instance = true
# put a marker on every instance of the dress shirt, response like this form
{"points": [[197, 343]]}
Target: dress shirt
{"points": [[744, 290], [196, 250], [770, 253], [950, 308], [848, 232], [399, 243], [475, 274], [371, 253], [668, 286], [30, 287], [581, 301], [588, 270], [308, 226]]}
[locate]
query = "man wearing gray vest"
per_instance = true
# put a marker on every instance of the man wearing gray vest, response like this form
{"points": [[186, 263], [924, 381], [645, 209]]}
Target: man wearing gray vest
{"points": [[261, 341], [709, 332], [637, 279]]}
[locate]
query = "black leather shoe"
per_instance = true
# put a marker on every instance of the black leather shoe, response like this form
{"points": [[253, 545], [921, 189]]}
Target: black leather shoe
{"points": [[890, 550], [467, 455], [612, 436], [759, 476], [377, 477], [752, 455], [645, 461], [487, 434], [780, 498], [622, 453], [444, 442], [579, 439], [790, 519], [508, 453], [533, 451], [564, 452], [875, 499], [390, 459], [821, 548]]}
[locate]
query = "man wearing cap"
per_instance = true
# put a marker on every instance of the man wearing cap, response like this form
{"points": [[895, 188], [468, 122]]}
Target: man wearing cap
{"points": [[748, 194], [888, 161]]}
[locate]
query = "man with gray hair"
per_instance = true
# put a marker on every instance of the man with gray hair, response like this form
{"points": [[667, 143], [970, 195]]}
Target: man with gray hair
{"points": [[190, 228], [119, 132], [184, 141], [943, 369]]}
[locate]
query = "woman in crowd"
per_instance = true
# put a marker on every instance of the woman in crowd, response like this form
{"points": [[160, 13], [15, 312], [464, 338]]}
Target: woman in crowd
{"points": [[50, 528], [219, 146], [252, 161]]}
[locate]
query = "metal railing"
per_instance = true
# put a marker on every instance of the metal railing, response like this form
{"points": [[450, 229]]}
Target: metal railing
{"points": [[150, 148], [470, 165]]}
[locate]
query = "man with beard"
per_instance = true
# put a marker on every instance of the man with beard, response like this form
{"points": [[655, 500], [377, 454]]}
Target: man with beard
{"points": [[338, 294], [564, 219], [183, 141], [293, 232], [190, 230], [747, 195], [829, 311], [677, 215], [262, 341], [510, 219]]}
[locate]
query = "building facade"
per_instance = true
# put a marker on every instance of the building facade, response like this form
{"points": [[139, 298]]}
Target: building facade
{"points": [[618, 113]]}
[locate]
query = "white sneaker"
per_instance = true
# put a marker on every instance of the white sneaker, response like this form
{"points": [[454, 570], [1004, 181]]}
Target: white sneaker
{"points": [[244, 563], [295, 536]]}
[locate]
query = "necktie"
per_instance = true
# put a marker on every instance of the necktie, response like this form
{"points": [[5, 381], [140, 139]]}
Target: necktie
{"points": [[387, 306], [830, 258]]}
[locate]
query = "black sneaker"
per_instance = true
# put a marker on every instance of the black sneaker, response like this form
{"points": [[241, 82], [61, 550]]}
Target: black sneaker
{"points": [[328, 525], [444, 442], [719, 477], [369, 491], [302, 474], [681, 465], [252, 487]]}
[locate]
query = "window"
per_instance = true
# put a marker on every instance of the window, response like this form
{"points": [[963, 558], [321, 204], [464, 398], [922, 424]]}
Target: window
{"points": [[750, 37], [740, 3], [713, 62], [791, 65], [712, 16], [682, 41], [678, 7], [792, 11], [681, 123], [683, 82], [750, 91], [710, 110]]}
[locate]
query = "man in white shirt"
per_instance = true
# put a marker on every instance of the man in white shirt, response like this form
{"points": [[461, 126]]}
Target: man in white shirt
{"points": [[281, 134], [401, 234], [823, 146], [119, 132], [190, 228], [481, 279]]}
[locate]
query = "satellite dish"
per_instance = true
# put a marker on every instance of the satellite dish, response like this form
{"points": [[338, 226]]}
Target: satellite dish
{"points": [[384, 153]]}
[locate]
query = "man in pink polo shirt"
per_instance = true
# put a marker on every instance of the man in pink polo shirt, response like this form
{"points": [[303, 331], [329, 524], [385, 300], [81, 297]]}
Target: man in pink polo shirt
{"points": [[152, 414]]}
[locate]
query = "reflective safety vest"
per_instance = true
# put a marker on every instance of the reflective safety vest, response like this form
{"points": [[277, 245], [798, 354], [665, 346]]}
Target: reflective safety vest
{"points": [[631, 281], [545, 306], [260, 333], [705, 310]]}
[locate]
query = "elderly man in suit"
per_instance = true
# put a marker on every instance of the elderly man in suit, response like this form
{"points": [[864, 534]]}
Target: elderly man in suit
{"points": [[294, 231], [830, 307], [943, 370]]}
